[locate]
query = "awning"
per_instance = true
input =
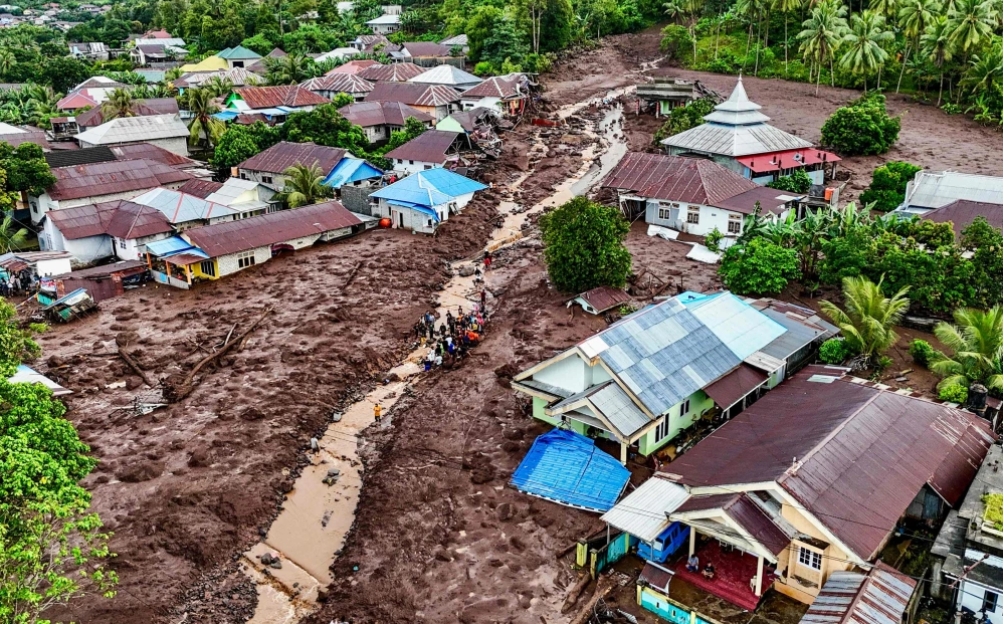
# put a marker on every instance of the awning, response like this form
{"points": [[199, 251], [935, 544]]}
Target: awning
{"points": [[186, 258], [731, 388], [644, 512], [567, 468]]}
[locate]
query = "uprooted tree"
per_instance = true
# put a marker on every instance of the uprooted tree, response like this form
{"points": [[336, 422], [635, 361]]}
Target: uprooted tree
{"points": [[584, 246]]}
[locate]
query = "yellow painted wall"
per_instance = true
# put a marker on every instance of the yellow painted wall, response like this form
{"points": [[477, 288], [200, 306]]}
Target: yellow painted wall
{"points": [[834, 560], [197, 271]]}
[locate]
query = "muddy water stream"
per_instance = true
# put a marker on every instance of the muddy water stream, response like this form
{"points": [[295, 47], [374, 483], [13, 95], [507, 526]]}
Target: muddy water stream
{"points": [[310, 530]]}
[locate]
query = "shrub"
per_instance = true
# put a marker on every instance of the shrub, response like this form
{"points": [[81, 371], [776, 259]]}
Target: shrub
{"points": [[798, 182], [954, 393], [882, 363], [888, 185], [863, 127], [484, 68], [759, 267], [921, 351], [713, 240], [584, 246], [834, 351], [684, 118], [675, 39]]}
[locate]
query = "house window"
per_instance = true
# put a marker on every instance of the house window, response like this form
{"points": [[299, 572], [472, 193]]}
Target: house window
{"points": [[244, 176], [685, 407], [208, 267], [810, 558], [664, 213], [735, 224], [122, 243], [411, 162], [266, 179], [245, 259], [693, 214], [990, 601], [662, 429]]}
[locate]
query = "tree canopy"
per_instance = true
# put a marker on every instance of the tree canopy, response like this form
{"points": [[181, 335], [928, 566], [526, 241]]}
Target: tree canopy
{"points": [[584, 246]]}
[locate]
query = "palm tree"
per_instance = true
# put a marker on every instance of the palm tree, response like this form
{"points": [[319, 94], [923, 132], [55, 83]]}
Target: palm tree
{"points": [[971, 22], [822, 34], [218, 86], [7, 60], [202, 107], [291, 69], [864, 53], [984, 70], [914, 17], [869, 316], [975, 342], [885, 8], [304, 185], [787, 7], [119, 104], [937, 45], [11, 238]]}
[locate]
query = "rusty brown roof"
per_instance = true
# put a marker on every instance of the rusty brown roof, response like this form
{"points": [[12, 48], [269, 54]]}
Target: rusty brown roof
{"points": [[200, 188], [675, 178], [107, 178], [745, 512], [120, 218], [413, 94], [603, 298], [106, 270], [861, 453], [284, 95], [284, 155], [395, 72], [368, 114], [339, 83], [432, 146], [745, 202], [353, 67], [962, 212], [271, 228], [139, 108], [153, 153], [426, 49], [30, 136], [496, 86], [730, 389]]}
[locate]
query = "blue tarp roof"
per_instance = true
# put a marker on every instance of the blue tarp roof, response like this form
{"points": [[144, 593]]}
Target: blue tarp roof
{"points": [[567, 468], [350, 170], [433, 187], [171, 246], [226, 115]]}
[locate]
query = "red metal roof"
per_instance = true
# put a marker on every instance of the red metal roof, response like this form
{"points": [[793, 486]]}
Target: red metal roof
{"points": [[745, 512], [153, 153], [353, 67], [395, 72], [962, 212], [284, 95], [730, 389], [745, 202], [367, 114], [603, 298], [675, 178], [339, 83], [861, 453], [413, 94], [139, 108], [496, 86], [775, 161], [200, 188], [75, 101], [271, 228], [284, 155], [431, 146], [426, 49], [106, 178], [119, 218], [31, 136]]}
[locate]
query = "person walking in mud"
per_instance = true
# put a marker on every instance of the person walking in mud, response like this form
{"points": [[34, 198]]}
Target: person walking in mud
{"points": [[488, 261]]}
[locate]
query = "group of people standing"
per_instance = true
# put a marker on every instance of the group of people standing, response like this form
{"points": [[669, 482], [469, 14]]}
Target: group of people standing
{"points": [[15, 286], [454, 336]]}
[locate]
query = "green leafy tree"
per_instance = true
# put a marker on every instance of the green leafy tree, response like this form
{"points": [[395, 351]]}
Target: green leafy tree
{"points": [[412, 129], [914, 18], [289, 69], [985, 244], [325, 126], [869, 317], [12, 235], [758, 267], [797, 182], [683, 118], [674, 39], [863, 127], [304, 185], [971, 22], [238, 143], [888, 186], [937, 45], [26, 169], [975, 343], [864, 53], [584, 246], [821, 36]]}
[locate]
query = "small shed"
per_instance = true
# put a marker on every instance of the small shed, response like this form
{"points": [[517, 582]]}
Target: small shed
{"points": [[600, 299], [102, 282]]}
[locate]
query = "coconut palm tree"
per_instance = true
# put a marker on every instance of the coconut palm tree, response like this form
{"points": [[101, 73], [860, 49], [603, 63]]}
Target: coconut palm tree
{"points": [[936, 43], [975, 343], [304, 185], [11, 236], [863, 51], [822, 34], [291, 69], [914, 17], [218, 86], [868, 317], [787, 7], [204, 125], [7, 60], [885, 8], [984, 71], [119, 104], [971, 23]]}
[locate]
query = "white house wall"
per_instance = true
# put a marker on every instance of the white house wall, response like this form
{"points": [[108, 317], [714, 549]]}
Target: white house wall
{"points": [[43, 203], [229, 263], [570, 374], [135, 248], [414, 166], [493, 103], [971, 597], [709, 218], [84, 250], [56, 266]]}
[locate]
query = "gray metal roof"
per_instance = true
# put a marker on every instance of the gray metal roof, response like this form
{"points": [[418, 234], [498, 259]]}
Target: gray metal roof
{"points": [[934, 189], [619, 410], [728, 140], [131, 129], [798, 335], [880, 597], [643, 513], [738, 110]]}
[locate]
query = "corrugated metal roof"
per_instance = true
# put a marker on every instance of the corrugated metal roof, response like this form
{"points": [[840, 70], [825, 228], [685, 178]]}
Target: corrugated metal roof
{"points": [[238, 53], [367, 114], [25, 374], [353, 67], [730, 389], [567, 468], [86, 156], [862, 453], [139, 108], [674, 178], [200, 188], [743, 329], [181, 208], [294, 96], [801, 332], [395, 72], [271, 228], [755, 520], [432, 146], [37, 137], [433, 187], [772, 201], [619, 410], [447, 75], [880, 597], [351, 170], [962, 212], [410, 93], [507, 86], [714, 138], [426, 49], [644, 512], [106, 178], [338, 83], [154, 153], [603, 298], [135, 129], [934, 189], [284, 155]]}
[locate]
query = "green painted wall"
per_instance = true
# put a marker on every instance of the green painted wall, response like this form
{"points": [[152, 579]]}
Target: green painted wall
{"points": [[699, 402]]}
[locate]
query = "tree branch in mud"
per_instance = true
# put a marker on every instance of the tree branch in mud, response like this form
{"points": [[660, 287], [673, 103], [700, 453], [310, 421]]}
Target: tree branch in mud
{"points": [[176, 389], [128, 359]]}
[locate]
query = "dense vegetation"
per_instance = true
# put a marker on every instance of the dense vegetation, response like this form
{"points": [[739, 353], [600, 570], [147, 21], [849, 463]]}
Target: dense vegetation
{"points": [[943, 274], [945, 51], [584, 246]]}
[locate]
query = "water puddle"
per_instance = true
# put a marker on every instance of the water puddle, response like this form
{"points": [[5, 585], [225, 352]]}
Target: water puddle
{"points": [[309, 532]]}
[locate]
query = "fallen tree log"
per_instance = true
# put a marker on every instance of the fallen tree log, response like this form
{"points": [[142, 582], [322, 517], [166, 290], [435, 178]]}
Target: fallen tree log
{"points": [[128, 359]]}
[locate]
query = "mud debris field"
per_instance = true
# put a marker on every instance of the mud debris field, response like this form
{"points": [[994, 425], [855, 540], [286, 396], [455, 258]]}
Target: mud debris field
{"points": [[438, 536]]}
